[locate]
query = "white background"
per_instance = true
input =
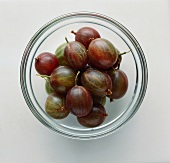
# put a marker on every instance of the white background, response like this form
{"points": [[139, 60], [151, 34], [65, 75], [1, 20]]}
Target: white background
{"points": [[144, 139]]}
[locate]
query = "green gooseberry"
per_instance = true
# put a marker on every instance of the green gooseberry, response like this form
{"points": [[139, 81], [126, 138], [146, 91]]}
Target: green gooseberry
{"points": [[59, 53], [100, 100], [55, 106], [48, 87]]}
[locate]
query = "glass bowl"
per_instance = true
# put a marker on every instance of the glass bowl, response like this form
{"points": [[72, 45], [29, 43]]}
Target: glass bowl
{"points": [[49, 37]]}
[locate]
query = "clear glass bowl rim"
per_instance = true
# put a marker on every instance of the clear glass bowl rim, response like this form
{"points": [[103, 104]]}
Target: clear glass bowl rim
{"points": [[81, 14]]}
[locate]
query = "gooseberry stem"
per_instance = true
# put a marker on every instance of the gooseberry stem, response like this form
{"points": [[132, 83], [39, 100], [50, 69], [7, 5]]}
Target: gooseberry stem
{"points": [[62, 108], [90, 39], [73, 32], [105, 114], [36, 59], [125, 52], [76, 78], [66, 40], [109, 92], [46, 77], [111, 100]]}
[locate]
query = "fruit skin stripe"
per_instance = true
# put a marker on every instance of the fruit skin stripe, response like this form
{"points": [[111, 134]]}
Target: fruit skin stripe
{"points": [[94, 86], [77, 55], [91, 83]]}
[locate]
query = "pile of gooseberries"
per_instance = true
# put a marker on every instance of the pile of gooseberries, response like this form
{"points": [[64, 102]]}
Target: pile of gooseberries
{"points": [[80, 75]]}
